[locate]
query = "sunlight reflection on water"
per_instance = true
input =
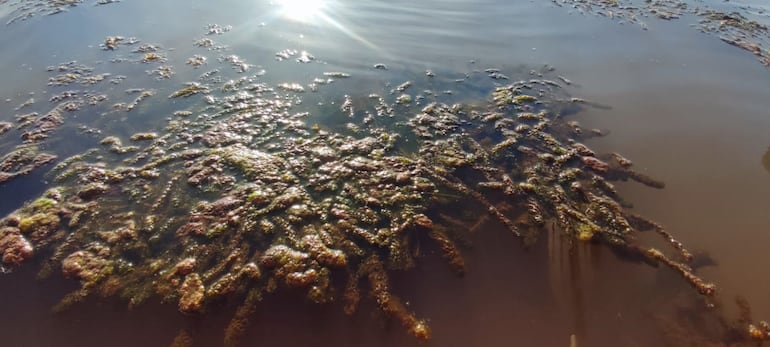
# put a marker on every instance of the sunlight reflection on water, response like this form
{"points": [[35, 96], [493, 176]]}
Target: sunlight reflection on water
{"points": [[301, 10]]}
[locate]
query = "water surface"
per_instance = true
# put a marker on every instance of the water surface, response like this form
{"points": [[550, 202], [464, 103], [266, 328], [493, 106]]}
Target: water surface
{"points": [[684, 106]]}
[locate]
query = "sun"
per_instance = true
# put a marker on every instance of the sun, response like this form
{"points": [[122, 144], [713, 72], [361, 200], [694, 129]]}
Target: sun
{"points": [[300, 10]]}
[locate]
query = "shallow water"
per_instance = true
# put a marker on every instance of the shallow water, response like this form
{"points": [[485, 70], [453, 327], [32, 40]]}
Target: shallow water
{"points": [[684, 106]]}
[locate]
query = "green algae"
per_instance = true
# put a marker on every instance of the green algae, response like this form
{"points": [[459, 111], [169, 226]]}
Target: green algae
{"points": [[43, 204]]}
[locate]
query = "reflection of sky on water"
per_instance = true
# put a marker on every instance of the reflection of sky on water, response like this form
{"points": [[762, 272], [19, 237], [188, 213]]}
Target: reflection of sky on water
{"points": [[5, 10]]}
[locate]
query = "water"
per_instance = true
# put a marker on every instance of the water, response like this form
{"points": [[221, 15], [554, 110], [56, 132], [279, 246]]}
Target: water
{"points": [[684, 106]]}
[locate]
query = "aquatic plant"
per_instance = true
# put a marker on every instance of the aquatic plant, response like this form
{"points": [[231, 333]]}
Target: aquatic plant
{"points": [[733, 28], [247, 202], [24, 9], [237, 197]]}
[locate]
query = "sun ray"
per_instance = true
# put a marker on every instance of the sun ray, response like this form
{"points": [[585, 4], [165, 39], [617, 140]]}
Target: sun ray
{"points": [[301, 10]]}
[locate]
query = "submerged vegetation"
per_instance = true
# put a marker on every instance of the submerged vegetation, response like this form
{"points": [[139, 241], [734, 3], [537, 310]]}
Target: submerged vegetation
{"points": [[237, 197]]}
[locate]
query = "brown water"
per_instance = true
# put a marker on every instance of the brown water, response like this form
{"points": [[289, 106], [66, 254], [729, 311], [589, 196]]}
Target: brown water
{"points": [[684, 106]]}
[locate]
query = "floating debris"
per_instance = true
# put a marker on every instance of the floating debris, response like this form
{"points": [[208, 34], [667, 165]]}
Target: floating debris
{"points": [[498, 76], [319, 82], [21, 161], [143, 95], [115, 146], [337, 74], [237, 63], [162, 72], [738, 31], [183, 113], [191, 89], [37, 127], [347, 106], [146, 48], [404, 99], [305, 57], [732, 28], [27, 103], [403, 87], [112, 42], [216, 29], [74, 73], [117, 79], [23, 10], [285, 54], [4, 127], [152, 57], [380, 66], [196, 61], [292, 87], [204, 42], [565, 80]]}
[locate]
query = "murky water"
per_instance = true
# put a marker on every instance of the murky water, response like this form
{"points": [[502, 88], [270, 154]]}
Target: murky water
{"points": [[686, 107]]}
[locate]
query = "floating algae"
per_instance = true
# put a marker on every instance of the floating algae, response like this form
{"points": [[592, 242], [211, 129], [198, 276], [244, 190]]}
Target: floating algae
{"points": [[25, 9], [241, 199], [732, 28], [196, 61], [738, 31], [74, 73], [4, 127], [23, 160], [36, 130]]}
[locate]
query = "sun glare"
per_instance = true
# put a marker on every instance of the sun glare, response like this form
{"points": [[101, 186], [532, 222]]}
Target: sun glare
{"points": [[301, 10]]}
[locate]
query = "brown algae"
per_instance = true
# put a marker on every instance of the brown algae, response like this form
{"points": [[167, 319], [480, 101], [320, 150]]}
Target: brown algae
{"points": [[240, 198]]}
